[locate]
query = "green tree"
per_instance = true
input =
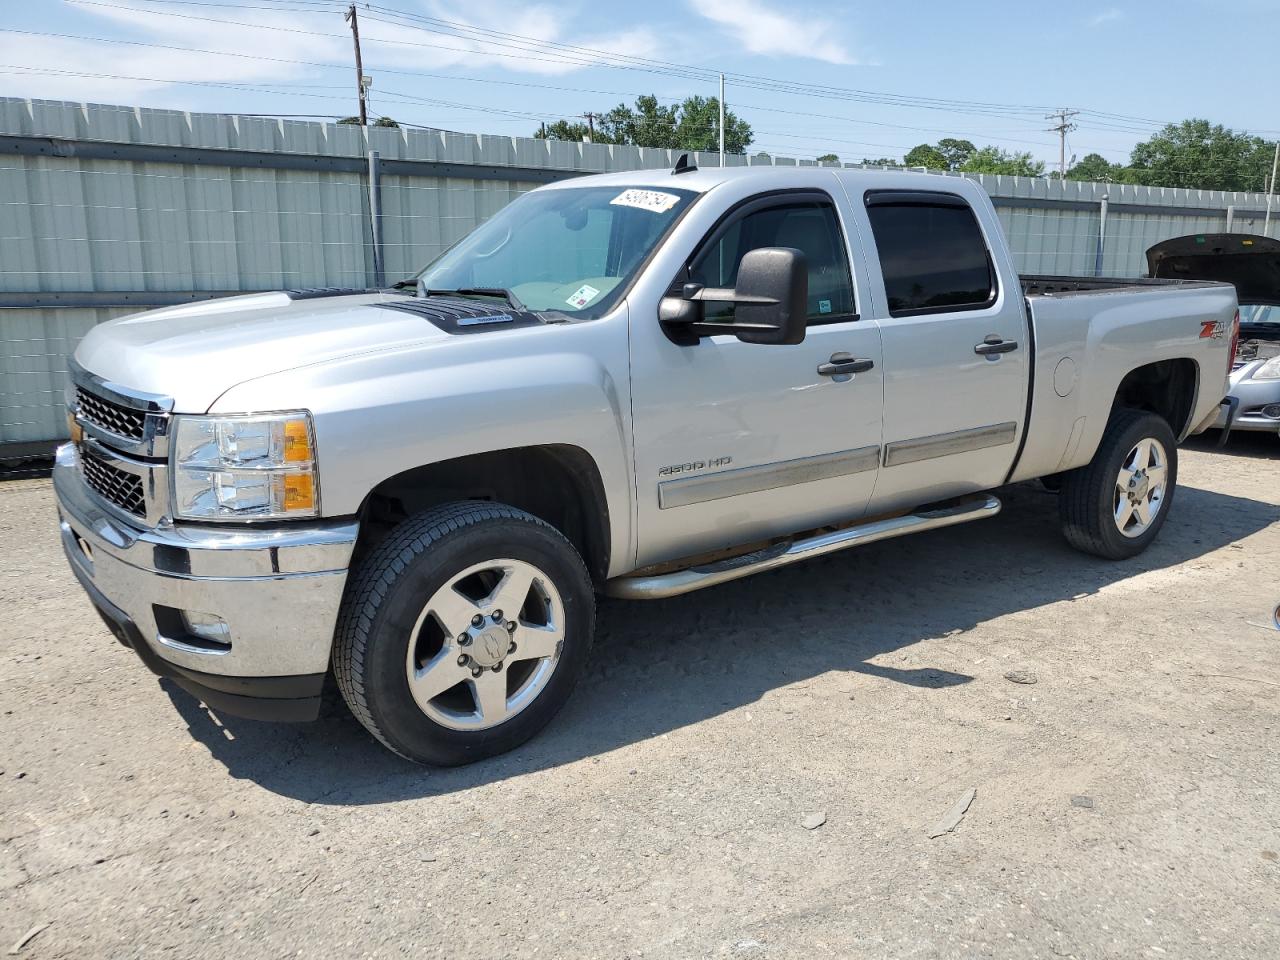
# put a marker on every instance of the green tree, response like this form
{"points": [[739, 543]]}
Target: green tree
{"points": [[1201, 155], [881, 162], [995, 160], [956, 152], [691, 125], [828, 158], [926, 156], [1098, 168], [380, 122]]}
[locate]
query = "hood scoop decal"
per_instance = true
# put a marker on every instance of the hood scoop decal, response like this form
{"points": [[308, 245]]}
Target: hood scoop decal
{"points": [[459, 315]]}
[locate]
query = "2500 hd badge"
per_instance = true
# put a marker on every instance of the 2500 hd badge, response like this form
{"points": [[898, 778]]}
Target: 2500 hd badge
{"points": [[694, 465]]}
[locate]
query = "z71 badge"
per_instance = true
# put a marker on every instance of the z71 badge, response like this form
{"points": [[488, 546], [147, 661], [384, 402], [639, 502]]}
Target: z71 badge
{"points": [[1212, 330], [694, 465]]}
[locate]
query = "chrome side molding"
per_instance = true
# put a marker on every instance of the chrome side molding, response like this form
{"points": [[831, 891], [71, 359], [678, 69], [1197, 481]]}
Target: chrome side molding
{"points": [[677, 582], [945, 444], [768, 476]]}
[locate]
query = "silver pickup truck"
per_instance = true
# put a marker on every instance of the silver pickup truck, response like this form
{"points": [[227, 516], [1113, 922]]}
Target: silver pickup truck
{"points": [[640, 384]]}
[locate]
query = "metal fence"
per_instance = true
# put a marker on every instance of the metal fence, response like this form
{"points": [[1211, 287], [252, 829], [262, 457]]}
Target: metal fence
{"points": [[105, 210]]}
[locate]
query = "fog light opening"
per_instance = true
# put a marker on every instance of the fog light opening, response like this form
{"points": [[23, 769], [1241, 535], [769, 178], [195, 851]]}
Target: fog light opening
{"points": [[1271, 410], [208, 627]]}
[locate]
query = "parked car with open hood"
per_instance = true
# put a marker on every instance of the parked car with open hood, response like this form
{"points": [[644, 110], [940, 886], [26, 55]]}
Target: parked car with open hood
{"points": [[1252, 265]]}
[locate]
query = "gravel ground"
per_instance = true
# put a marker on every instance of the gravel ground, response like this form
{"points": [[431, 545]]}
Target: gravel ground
{"points": [[1127, 803]]}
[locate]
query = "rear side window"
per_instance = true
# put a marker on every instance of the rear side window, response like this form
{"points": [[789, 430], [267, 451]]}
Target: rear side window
{"points": [[932, 254], [808, 226]]}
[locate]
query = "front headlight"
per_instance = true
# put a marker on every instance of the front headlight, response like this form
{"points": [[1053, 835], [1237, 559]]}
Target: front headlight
{"points": [[257, 467], [1268, 371]]}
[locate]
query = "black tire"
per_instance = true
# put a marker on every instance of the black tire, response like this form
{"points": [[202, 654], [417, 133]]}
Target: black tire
{"points": [[386, 594], [1086, 501]]}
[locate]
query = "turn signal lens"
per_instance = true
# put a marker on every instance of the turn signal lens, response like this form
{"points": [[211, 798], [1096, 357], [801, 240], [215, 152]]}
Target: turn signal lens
{"points": [[297, 441], [299, 492]]}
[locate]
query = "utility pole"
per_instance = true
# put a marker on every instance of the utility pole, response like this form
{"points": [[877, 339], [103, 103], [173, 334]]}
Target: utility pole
{"points": [[591, 127], [1271, 188], [722, 119], [350, 17], [1062, 128]]}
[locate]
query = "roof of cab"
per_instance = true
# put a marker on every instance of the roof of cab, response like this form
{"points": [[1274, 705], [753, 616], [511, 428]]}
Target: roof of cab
{"points": [[702, 179]]}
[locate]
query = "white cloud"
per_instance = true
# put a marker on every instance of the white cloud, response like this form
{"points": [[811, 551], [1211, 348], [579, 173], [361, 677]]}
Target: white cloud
{"points": [[761, 29], [289, 36], [1109, 15]]}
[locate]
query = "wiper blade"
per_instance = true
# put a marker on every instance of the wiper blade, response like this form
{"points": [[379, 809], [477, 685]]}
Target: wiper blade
{"points": [[502, 292]]}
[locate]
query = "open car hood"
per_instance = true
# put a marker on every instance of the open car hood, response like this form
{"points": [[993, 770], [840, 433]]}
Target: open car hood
{"points": [[1251, 263]]}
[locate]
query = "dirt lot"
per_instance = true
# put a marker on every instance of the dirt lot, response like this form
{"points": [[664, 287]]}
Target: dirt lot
{"points": [[1128, 803]]}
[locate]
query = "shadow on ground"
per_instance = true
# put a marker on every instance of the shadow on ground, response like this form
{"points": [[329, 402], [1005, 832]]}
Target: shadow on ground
{"points": [[1253, 444], [662, 665]]}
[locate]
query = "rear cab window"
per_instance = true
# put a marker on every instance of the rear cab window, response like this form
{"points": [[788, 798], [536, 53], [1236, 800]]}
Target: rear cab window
{"points": [[933, 255]]}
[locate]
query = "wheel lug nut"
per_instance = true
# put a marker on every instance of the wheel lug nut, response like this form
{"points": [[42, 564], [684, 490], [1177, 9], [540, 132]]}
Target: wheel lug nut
{"points": [[511, 649], [464, 640], [497, 667], [477, 620], [476, 671], [463, 660], [497, 616], [511, 626]]}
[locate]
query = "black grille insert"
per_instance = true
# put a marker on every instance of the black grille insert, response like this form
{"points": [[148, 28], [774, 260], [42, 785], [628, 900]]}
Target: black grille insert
{"points": [[121, 420], [117, 486]]}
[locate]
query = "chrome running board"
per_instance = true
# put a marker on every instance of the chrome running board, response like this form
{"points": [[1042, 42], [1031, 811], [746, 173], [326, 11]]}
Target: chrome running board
{"points": [[659, 586]]}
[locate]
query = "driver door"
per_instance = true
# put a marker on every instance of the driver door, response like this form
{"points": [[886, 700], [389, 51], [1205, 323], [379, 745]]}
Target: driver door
{"points": [[738, 442]]}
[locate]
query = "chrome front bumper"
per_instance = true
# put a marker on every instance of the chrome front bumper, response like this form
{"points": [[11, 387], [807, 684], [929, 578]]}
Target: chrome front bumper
{"points": [[278, 588]]}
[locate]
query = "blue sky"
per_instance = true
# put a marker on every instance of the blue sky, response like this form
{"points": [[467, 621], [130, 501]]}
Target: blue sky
{"points": [[1001, 65]]}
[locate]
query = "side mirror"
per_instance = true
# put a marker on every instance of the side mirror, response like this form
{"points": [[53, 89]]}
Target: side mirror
{"points": [[771, 301]]}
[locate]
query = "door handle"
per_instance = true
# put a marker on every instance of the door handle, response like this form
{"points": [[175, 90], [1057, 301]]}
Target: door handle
{"points": [[844, 364], [994, 344]]}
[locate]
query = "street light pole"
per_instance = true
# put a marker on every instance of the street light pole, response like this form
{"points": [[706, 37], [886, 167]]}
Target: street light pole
{"points": [[722, 119], [1271, 187]]}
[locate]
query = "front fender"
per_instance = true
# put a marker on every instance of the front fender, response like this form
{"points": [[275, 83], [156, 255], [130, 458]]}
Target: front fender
{"points": [[380, 414]]}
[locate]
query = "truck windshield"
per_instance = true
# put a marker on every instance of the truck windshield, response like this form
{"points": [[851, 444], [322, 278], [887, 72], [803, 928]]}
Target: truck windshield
{"points": [[571, 250]]}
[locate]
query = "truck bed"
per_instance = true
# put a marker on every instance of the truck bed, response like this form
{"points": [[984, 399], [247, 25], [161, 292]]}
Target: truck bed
{"points": [[1035, 285]]}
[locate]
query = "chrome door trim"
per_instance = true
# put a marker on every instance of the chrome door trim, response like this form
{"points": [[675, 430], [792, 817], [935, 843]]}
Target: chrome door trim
{"points": [[768, 476], [946, 444]]}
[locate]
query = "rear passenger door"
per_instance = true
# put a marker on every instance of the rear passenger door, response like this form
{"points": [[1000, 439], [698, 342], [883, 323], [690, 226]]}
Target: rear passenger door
{"points": [[956, 350]]}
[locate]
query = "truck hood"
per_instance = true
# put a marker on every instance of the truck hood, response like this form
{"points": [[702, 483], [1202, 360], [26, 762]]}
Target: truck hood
{"points": [[196, 352], [1251, 263]]}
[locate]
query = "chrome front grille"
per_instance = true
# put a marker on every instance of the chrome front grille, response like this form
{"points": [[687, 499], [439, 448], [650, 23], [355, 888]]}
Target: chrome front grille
{"points": [[113, 417], [125, 490]]}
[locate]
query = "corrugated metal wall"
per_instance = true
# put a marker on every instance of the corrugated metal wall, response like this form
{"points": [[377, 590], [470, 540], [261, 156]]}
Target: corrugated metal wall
{"points": [[71, 223]]}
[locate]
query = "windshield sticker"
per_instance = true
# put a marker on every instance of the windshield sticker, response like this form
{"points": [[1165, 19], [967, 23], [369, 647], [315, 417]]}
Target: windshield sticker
{"points": [[583, 295], [654, 201]]}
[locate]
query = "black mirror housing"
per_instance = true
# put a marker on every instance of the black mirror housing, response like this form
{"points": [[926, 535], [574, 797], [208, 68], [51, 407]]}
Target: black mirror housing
{"points": [[770, 302], [772, 296]]}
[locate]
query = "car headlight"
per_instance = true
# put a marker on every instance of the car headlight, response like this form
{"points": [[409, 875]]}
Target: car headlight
{"points": [[1268, 371], [255, 467]]}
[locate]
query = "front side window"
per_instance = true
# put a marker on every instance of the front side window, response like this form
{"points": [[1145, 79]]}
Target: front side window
{"points": [[809, 226], [932, 255], [571, 250]]}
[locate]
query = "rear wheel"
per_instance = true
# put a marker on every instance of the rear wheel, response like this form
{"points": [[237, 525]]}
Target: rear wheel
{"points": [[464, 632], [1115, 505]]}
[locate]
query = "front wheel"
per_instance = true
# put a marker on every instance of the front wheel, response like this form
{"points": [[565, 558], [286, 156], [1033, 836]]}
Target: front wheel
{"points": [[1114, 506], [464, 632]]}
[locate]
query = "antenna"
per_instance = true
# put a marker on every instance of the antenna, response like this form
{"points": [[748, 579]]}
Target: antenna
{"points": [[683, 166]]}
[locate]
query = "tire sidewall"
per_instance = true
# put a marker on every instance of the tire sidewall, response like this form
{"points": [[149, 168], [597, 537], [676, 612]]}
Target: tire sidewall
{"points": [[410, 731]]}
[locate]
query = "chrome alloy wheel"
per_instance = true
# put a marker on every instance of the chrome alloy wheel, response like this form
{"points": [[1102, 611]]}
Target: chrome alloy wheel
{"points": [[485, 645], [1140, 487]]}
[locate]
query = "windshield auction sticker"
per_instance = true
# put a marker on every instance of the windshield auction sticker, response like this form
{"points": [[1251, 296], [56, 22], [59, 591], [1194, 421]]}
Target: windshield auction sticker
{"points": [[582, 296], [655, 201]]}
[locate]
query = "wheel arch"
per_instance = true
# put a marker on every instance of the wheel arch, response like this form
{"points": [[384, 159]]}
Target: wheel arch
{"points": [[558, 483], [1167, 388]]}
